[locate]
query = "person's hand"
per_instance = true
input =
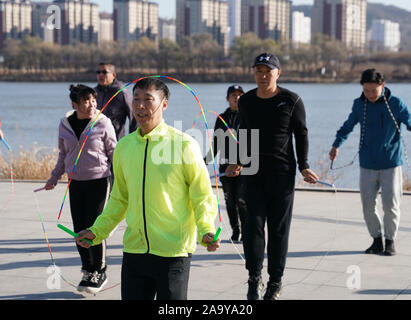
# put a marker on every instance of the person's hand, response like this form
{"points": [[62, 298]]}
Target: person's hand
{"points": [[208, 238], [233, 170], [333, 153], [309, 176], [1, 134], [49, 186], [85, 234]]}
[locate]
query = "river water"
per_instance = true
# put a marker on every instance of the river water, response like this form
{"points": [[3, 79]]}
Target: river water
{"points": [[30, 114]]}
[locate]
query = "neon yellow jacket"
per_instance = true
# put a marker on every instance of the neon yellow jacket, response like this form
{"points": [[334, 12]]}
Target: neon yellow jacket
{"points": [[162, 188]]}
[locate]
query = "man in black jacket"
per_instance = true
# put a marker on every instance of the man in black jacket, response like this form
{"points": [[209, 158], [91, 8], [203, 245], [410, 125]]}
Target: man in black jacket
{"points": [[223, 141], [277, 114], [119, 108]]}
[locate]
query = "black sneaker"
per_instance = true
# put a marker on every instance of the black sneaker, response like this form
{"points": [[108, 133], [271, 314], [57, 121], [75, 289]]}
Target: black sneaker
{"points": [[255, 286], [235, 236], [273, 291], [377, 247], [84, 281], [237, 239], [93, 283], [389, 248]]}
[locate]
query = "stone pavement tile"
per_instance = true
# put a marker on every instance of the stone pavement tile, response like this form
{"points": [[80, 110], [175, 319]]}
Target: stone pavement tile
{"points": [[377, 279], [302, 291], [329, 292]]}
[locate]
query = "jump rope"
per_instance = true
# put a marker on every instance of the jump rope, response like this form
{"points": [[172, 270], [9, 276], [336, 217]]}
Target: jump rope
{"points": [[222, 223], [67, 230], [230, 130], [397, 127], [349, 164]]}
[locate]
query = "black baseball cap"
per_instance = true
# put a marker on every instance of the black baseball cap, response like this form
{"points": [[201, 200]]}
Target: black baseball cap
{"points": [[233, 88], [268, 60]]}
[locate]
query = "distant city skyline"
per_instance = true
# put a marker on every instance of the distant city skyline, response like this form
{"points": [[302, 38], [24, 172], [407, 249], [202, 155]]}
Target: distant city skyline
{"points": [[167, 7]]}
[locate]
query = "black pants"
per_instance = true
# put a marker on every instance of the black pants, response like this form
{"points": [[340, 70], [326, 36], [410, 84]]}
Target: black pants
{"points": [[87, 201], [269, 197], [145, 276], [234, 199]]}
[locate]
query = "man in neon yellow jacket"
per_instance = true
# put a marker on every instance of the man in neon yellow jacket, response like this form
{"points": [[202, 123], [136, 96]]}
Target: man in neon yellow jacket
{"points": [[162, 189]]}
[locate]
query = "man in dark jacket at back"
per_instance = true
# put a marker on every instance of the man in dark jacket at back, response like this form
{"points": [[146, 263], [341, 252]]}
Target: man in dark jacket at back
{"points": [[119, 108]]}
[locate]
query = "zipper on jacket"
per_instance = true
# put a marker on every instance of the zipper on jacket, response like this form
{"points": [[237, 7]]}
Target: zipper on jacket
{"points": [[144, 201]]}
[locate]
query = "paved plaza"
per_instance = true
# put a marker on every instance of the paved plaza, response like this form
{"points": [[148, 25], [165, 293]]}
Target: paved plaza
{"points": [[325, 259]]}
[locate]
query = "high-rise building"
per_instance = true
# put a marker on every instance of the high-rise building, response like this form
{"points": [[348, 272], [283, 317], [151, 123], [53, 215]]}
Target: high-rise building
{"points": [[267, 18], [134, 19], [80, 22], [234, 19], [40, 16], [301, 28], [15, 19], [384, 35], [106, 32], [167, 29], [203, 16], [344, 20]]}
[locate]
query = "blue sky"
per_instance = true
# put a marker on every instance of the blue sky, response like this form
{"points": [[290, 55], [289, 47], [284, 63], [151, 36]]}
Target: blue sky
{"points": [[167, 7]]}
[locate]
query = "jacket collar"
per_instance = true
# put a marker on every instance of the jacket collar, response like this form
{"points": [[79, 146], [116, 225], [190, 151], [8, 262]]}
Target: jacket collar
{"points": [[386, 92], [154, 134], [229, 110], [68, 114], [114, 85]]}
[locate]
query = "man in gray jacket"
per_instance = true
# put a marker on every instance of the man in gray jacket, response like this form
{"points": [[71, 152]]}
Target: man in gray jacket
{"points": [[119, 108]]}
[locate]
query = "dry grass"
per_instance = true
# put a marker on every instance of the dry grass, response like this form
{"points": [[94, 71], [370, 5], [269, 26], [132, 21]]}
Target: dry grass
{"points": [[37, 164], [34, 164], [406, 183], [322, 170]]}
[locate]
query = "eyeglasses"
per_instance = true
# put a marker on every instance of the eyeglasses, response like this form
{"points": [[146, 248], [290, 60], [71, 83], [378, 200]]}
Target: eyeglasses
{"points": [[102, 71]]}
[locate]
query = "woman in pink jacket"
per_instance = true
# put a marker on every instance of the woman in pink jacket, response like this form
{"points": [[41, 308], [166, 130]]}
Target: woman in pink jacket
{"points": [[90, 185]]}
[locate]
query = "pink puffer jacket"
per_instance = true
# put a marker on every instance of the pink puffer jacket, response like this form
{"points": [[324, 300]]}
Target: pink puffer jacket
{"points": [[97, 155]]}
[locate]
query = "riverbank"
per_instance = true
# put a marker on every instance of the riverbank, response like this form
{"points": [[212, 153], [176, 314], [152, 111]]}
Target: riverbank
{"points": [[88, 75], [31, 112], [35, 165]]}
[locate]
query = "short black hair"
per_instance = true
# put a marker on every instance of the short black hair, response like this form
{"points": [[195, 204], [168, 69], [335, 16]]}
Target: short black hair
{"points": [[80, 91], [159, 85], [372, 76], [110, 66]]}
